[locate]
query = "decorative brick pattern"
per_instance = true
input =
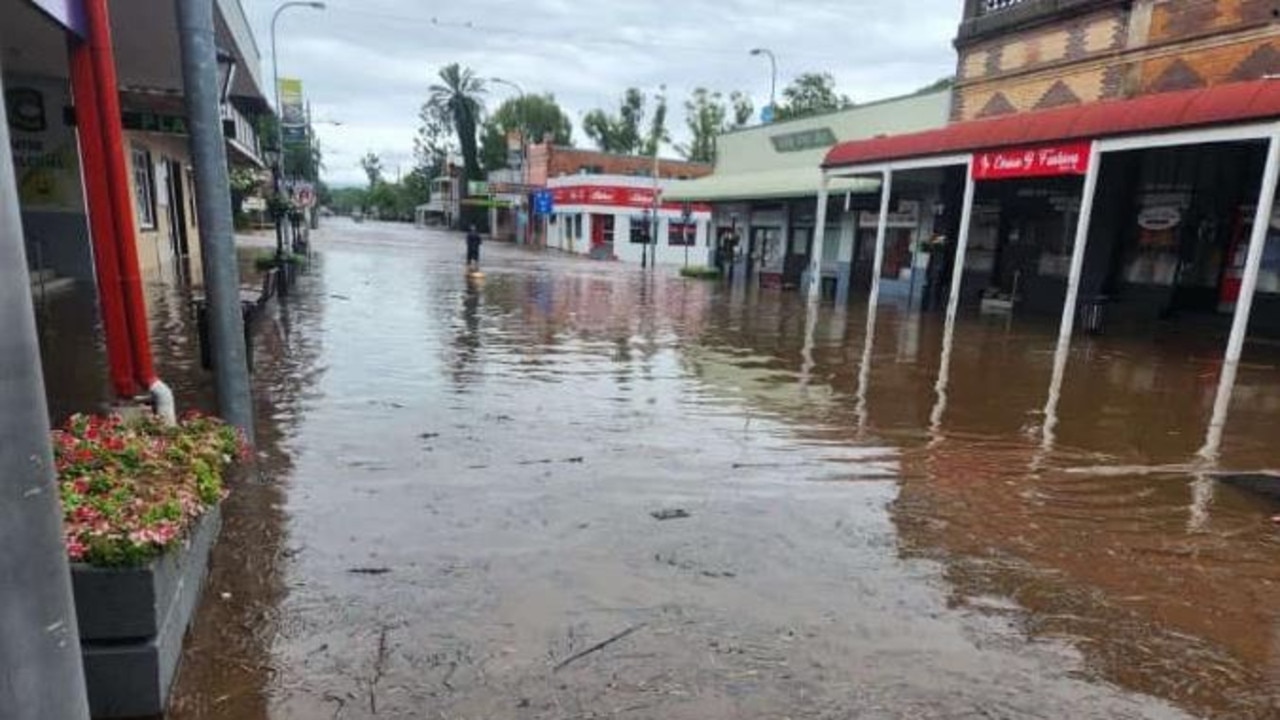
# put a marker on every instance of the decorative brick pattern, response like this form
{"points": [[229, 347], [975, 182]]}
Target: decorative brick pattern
{"points": [[1058, 95], [1256, 11], [998, 104], [1263, 61], [1115, 83], [995, 59], [1076, 41], [1177, 75], [1174, 19], [1104, 33], [973, 64]]}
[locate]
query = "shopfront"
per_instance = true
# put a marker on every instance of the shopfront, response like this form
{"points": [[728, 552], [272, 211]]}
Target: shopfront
{"points": [[612, 218], [1174, 214]]}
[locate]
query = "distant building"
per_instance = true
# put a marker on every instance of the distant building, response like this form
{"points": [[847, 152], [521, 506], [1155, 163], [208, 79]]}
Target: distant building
{"points": [[510, 190], [610, 217], [765, 187]]}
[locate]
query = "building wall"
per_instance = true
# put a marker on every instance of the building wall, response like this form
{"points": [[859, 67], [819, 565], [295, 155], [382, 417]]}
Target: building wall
{"points": [[1107, 50], [550, 161], [156, 257]]}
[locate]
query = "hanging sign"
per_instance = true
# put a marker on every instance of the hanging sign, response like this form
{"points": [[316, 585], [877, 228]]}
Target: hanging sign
{"points": [[1159, 217], [1043, 161]]}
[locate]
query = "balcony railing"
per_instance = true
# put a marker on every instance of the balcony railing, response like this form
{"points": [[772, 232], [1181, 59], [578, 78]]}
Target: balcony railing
{"points": [[238, 128], [995, 6]]}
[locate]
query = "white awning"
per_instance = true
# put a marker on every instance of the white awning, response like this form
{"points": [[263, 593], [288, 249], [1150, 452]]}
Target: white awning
{"points": [[769, 185]]}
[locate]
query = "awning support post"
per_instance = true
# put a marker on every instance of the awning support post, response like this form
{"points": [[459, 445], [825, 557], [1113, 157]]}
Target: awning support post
{"points": [[1073, 296], [882, 231], [953, 301], [1244, 305], [819, 241]]}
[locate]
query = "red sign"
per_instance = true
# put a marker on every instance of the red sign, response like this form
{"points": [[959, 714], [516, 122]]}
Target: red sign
{"points": [[614, 196], [1043, 161]]}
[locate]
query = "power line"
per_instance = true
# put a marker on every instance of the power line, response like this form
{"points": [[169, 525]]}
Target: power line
{"points": [[562, 40]]}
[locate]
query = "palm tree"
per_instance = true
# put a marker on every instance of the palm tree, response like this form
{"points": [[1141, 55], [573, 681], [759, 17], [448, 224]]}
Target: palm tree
{"points": [[458, 96]]}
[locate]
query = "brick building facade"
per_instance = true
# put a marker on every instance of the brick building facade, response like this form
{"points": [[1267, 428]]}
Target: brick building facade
{"points": [[1022, 55], [548, 161]]}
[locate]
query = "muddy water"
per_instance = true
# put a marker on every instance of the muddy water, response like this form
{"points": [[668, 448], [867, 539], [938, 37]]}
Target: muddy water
{"points": [[454, 517]]}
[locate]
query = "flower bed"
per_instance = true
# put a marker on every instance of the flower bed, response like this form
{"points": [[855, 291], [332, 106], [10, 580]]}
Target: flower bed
{"points": [[131, 489], [140, 515]]}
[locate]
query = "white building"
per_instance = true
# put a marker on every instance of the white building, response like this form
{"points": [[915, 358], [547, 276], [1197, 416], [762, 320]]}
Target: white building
{"points": [[610, 217]]}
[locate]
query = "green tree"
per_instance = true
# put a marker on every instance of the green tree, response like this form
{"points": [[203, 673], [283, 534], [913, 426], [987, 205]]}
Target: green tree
{"points": [[945, 83], [435, 141], [372, 166], [743, 109], [346, 200], [809, 94], [657, 125], [415, 189], [618, 133], [458, 96], [707, 116], [533, 115]]}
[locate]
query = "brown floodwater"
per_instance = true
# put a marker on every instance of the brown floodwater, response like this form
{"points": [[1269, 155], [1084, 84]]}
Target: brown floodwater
{"points": [[453, 513]]}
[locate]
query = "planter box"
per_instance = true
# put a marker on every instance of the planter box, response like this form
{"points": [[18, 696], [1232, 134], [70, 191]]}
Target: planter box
{"points": [[132, 622]]}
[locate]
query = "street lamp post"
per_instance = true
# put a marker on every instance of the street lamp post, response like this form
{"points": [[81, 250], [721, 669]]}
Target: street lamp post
{"points": [[523, 128], [278, 167], [773, 76]]}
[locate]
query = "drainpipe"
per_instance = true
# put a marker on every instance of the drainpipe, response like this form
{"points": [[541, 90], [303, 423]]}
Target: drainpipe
{"points": [[117, 178], [106, 260]]}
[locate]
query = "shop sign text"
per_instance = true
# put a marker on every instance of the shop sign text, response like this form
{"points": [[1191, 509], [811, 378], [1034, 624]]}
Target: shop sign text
{"points": [[1044, 161]]}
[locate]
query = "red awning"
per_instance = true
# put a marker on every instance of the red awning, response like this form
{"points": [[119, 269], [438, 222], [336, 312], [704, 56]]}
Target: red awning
{"points": [[1219, 105]]}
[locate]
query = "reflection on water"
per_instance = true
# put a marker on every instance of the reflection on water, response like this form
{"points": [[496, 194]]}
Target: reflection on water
{"points": [[889, 517]]}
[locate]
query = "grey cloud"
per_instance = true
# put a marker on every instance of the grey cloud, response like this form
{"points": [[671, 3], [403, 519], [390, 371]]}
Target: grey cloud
{"points": [[368, 63]]}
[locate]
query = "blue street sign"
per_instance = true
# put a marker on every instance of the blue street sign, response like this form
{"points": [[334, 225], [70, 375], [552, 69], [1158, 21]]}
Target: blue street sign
{"points": [[766, 114], [543, 204]]}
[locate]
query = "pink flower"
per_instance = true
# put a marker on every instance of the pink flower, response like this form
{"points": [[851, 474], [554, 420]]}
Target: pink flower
{"points": [[85, 514], [75, 549]]}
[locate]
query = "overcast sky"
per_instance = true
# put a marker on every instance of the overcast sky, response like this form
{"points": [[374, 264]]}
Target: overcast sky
{"points": [[368, 63]]}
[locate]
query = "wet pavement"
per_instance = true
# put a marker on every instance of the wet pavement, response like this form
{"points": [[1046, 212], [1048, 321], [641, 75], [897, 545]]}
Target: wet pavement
{"points": [[458, 509]]}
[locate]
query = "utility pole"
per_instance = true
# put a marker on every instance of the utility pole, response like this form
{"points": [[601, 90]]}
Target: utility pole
{"points": [[43, 675], [657, 204], [213, 201]]}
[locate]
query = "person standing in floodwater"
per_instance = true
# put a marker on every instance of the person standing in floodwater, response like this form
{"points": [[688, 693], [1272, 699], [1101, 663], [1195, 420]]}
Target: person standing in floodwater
{"points": [[473, 249]]}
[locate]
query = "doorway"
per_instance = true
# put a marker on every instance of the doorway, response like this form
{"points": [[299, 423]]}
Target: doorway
{"points": [[179, 242]]}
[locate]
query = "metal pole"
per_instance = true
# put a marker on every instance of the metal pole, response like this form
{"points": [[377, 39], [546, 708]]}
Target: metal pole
{"points": [[1244, 305], [1082, 239], [1061, 352], [773, 81], [882, 231], [657, 205], [278, 170], [953, 304], [962, 247], [213, 200], [819, 241], [43, 676]]}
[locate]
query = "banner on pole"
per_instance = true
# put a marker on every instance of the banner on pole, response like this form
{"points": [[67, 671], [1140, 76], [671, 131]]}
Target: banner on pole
{"points": [[292, 109]]}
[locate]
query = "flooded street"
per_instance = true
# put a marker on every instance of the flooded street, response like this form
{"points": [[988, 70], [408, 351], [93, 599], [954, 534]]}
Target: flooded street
{"points": [[574, 490]]}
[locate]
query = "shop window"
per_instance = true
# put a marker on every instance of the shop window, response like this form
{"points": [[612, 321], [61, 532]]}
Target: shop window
{"points": [[639, 230], [577, 226], [682, 234], [144, 188]]}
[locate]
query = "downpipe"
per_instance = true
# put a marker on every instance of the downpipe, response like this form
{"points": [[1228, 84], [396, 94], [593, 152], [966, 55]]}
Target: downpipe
{"points": [[162, 403]]}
